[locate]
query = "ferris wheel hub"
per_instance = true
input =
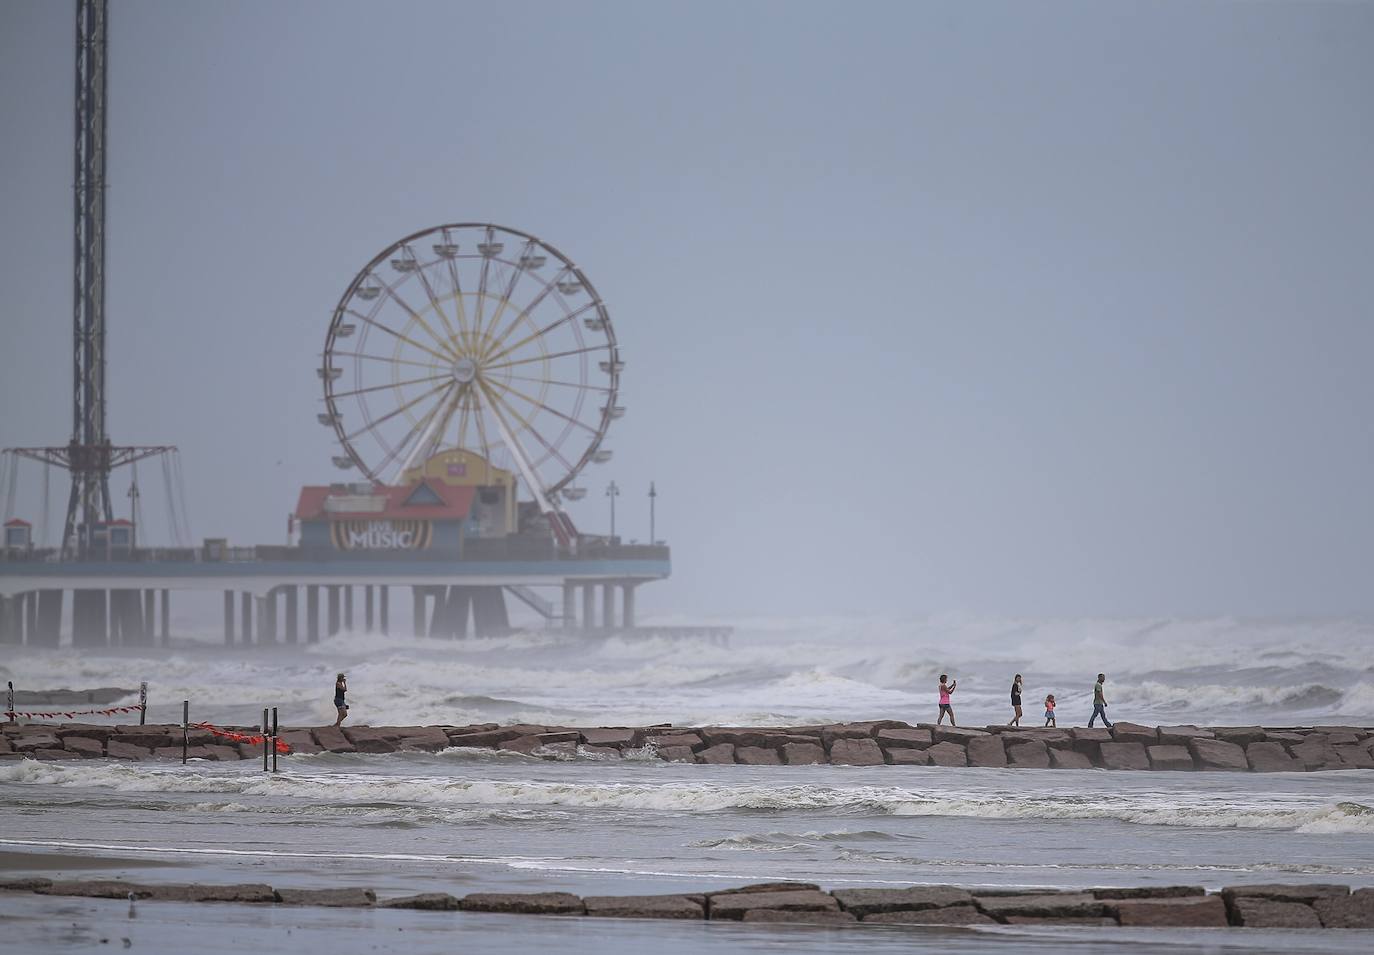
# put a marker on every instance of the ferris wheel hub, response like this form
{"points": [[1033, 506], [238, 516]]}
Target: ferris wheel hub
{"points": [[464, 370]]}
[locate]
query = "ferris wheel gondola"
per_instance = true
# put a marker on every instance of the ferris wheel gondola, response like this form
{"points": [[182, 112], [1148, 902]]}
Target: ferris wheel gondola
{"points": [[497, 344]]}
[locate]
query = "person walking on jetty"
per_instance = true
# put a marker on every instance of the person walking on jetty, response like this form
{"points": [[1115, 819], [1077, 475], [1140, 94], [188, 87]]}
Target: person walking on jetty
{"points": [[1100, 702], [946, 688], [1049, 710], [1016, 700], [340, 690]]}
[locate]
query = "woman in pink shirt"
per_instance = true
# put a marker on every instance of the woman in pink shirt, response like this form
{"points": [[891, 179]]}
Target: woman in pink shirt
{"points": [[946, 688]]}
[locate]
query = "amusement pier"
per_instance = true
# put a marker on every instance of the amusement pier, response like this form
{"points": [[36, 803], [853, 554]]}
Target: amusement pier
{"points": [[470, 374]]}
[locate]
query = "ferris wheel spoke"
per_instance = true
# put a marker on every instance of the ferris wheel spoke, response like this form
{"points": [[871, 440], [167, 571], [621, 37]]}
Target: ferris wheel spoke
{"points": [[550, 381], [389, 361], [481, 297], [497, 403], [464, 416], [571, 316], [417, 318], [434, 303], [460, 311], [559, 354], [372, 425], [389, 384], [499, 339], [446, 359], [515, 275], [543, 407], [433, 434], [416, 429]]}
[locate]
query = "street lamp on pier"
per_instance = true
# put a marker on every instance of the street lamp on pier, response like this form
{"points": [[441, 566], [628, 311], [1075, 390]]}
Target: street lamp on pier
{"points": [[613, 492]]}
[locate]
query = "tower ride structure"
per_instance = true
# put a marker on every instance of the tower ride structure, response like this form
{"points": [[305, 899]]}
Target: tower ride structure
{"points": [[89, 456]]}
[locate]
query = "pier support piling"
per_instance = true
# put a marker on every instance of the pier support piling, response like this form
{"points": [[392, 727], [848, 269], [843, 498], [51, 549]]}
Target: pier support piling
{"points": [[589, 607], [165, 630], [229, 618], [312, 614], [48, 625], [269, 617], [246, 618], [368, 608], [627, 617], [332, 624], [292, 613], [608, 606], [348, 607], [569, 605], [417, 594], [384, 593]]}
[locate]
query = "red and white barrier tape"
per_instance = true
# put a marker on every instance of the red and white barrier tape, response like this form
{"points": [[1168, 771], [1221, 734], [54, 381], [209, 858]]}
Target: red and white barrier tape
{"points": [[240, 737], [111, 711]]}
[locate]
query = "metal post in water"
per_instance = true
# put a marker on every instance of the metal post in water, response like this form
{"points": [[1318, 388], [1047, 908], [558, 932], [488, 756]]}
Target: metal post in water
{"points": [[185, 729], [143, 703], [266, 739], [274, 739]]}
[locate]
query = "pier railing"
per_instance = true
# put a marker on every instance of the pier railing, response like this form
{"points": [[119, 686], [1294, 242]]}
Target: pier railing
{"points": [[510, 549]]}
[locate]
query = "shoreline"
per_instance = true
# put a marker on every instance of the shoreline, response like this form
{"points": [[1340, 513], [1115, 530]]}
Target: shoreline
{"points": [[1126, 746]]}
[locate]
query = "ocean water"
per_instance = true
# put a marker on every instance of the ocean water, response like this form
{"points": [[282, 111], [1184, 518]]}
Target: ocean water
{"points": [[463, 821], [773, 672]]}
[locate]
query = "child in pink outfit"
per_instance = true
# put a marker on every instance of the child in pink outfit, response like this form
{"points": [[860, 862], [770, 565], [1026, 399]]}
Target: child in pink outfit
{"points": [[1049, 711]]}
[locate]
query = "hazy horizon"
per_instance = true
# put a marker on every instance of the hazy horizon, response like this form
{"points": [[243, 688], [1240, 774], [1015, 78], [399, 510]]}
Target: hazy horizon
{"points": [[1055, 309]]}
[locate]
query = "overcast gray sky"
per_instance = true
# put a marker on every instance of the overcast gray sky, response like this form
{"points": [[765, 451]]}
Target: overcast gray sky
{"points": [[1041, 308]]}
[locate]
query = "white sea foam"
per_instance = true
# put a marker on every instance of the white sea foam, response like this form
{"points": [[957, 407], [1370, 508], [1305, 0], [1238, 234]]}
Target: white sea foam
{"points": [[1187, 809]]}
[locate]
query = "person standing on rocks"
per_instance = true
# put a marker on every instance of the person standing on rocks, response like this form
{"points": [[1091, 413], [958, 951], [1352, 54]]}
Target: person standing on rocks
{"points": [[1100, 702], [946, 688], [1049, 710], [1016, 700], [340, 689]]}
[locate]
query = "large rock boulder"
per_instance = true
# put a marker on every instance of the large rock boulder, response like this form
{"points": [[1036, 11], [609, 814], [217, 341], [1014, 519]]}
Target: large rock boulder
{"points": [[826, 917], [1124, 732], [1069, 759], [898, 756], [1279, 892], [947, 754], [865, 902], [1182, 735], [1207, 911], [1033, 754], [1352, 755], [718, 755], [1353, 911], [332, 898], [619, 736], [225, 754], [1124, 756], [524, 903], [428, 739], [1216, 754], [803, 754], [254, 892], [303, 742], [957, 734], [856, 752], [84, 747], [678, 754], [331, 739], [1316, 753], [1271, 757], [115, 749], [1056, 905], [757, 756], [1170, 757], [906, 738], [734, 905], [425, 901], [736, 736], [1262, 913], [1239, 735], [661, 740], [644, 906], [951, 915], [987, 752]]}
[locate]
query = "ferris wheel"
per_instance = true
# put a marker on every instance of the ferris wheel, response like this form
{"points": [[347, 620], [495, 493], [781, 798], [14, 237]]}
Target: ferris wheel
{"points": [[472, 336]]}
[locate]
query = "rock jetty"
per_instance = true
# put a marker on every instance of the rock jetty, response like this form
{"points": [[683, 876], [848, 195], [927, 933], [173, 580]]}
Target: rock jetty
{"points": [[1126, 746], [1241, 906]]}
